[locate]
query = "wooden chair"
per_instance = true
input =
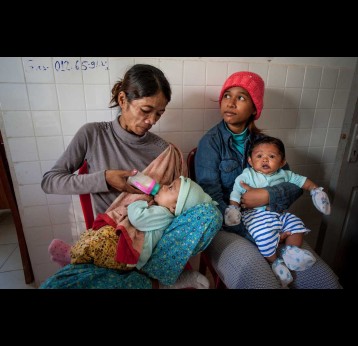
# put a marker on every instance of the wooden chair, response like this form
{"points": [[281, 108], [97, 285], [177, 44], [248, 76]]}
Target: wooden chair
{"points": [[205, 263]]}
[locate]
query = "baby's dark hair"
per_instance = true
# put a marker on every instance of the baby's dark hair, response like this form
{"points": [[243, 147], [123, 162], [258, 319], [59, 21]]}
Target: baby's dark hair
{"points": [[141, 80], [269, 140]]}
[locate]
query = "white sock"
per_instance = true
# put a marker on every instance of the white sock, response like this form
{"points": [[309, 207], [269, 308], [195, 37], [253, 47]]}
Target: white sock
{"points": [[281, 272], [189, 279], [296, 258]]}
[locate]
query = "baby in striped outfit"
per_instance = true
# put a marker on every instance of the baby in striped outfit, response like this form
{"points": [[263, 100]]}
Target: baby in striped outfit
{"points": [[267, 157]]}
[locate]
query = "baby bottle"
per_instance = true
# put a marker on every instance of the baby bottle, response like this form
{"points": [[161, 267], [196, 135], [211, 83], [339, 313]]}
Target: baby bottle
{"points": [[144, 183]]}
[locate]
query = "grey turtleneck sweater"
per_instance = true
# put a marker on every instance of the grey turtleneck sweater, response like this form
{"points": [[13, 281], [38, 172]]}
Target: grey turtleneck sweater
{"points": [[105, 145]]}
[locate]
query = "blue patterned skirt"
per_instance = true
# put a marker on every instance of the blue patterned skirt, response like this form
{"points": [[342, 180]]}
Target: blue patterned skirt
{"points": [[188, 234]]}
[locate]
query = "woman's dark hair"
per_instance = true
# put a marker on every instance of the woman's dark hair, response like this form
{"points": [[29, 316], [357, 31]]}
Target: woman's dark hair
{"points": [[252, 127], [269, 140], [140, 81]]}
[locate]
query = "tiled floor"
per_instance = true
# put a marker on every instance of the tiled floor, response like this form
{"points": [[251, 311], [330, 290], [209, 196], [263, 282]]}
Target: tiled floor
{"points": [[11, 271]]}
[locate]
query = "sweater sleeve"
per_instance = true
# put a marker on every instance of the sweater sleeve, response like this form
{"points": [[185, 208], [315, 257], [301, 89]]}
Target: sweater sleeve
{"points": [[148, 219], [60, 179]]}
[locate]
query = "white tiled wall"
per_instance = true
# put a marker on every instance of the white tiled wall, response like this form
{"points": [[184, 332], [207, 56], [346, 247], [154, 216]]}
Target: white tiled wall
{"points": [[45, 100]]}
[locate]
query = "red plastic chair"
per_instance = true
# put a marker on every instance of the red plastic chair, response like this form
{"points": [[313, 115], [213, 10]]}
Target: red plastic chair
{"points": [[86, 202], [205, 262]]}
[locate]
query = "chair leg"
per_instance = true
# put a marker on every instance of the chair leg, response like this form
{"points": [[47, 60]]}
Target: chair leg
{"points": [[202, 264], [188, 266], [219, 284], [206, 264]]}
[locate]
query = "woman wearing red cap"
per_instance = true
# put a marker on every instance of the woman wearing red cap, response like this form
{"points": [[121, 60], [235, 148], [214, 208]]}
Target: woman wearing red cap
{"points": [[221, 157]]}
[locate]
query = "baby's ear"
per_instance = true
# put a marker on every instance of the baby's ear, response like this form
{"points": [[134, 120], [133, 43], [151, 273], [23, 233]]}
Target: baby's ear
{"points": [[283, 163], [249, 161], [172, 209]]}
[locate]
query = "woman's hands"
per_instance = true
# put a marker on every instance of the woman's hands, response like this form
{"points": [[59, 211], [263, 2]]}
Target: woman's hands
{"points": [[118, 179], [254, 197]]}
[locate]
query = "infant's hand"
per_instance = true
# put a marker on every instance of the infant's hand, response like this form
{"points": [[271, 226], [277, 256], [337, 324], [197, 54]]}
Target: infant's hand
{"points": [[320, 200], [232, 215]]}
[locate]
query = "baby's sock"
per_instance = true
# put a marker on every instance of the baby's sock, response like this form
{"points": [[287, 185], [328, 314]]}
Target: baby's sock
{"points": [[60, 252], [282, 272], [189, 279], [296, 258], [232, 215], [320, 200]]}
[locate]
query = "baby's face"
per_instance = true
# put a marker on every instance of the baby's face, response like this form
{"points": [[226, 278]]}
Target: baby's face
{"points": [[266, 159], [167, 196]]}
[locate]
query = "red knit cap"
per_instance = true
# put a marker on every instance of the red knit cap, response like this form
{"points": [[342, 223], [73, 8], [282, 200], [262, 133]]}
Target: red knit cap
{"points": [[250, 81]]}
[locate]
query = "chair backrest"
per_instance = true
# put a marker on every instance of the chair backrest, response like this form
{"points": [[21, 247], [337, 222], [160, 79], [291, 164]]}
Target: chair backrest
{"points": [[190, 164], [86, 202]]}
